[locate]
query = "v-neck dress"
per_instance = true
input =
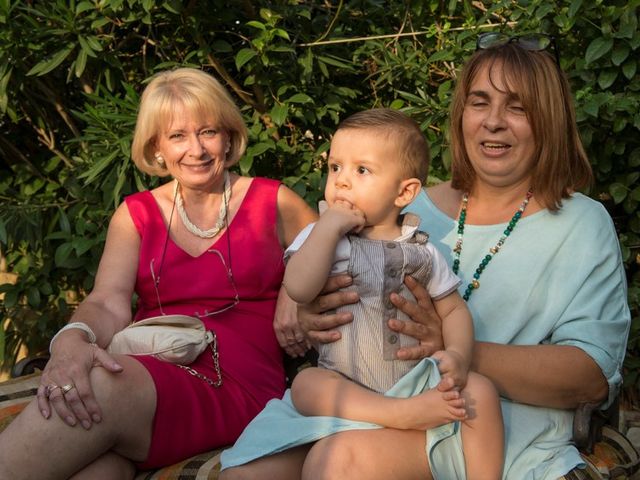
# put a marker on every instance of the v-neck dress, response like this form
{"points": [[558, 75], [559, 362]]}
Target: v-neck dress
{"points": [[192, 416]]}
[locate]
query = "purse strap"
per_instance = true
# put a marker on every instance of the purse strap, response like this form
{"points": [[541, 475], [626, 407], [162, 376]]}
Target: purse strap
{"points": [[216, 364]]}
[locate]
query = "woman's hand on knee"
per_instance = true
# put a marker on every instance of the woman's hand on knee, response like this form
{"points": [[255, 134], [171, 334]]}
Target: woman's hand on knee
{"points": [[66, 386], [426, 326], [314, 320]]}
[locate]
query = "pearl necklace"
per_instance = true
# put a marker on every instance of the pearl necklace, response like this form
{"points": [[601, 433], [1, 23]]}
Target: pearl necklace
{"points": [[457, 250], [222, 215]]}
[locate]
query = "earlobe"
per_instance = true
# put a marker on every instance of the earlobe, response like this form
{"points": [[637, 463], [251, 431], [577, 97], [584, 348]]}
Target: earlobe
{"points": [[409, 190]]}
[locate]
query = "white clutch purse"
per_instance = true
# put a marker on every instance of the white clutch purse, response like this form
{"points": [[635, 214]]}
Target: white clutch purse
{"points": [[172, 338]]}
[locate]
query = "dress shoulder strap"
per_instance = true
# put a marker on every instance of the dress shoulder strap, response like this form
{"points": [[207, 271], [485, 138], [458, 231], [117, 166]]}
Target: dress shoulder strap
{"points": [[144, 211]]}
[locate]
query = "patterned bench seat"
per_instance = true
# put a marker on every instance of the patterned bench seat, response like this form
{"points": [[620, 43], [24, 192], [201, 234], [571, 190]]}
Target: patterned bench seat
{"points": [[609, 452]]}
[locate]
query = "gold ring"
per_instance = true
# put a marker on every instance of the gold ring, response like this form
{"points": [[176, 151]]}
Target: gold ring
{"points": [[67, 388]]}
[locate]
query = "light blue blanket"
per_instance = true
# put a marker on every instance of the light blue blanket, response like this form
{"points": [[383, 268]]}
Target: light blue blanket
{"points": [[280, 427]]}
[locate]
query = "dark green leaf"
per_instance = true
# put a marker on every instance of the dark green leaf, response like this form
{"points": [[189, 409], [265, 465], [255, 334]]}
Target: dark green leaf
{"points": [[441, 55], [629, 68], [618, 192], [243, 56], [299, 98], [281, 33], [335, 62], [452, 6], [597, 48], [86, 47], [97, 168], [574, 8], [84, 6], [62, 254], [80, 63], [279, 113], [258, 149], [620, 53], [256, 24], [607, 77], [49, 64], [11, 298], [82, 245], [173, 6], [33, 296]]}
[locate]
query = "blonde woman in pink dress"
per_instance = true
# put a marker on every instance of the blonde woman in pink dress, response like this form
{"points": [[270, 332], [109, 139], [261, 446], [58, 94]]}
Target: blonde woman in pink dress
{"points": [[209, 244]]}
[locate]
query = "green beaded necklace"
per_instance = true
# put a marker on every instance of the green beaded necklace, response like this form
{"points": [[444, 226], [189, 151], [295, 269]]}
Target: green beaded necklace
{"points": [[457, 250]]}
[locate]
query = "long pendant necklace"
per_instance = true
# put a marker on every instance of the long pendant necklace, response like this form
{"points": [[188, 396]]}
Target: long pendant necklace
{"points": [[457, 250], [222, 215]]}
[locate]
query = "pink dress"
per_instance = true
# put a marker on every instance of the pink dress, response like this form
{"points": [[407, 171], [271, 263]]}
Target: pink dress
{"points": [[192, 416]]}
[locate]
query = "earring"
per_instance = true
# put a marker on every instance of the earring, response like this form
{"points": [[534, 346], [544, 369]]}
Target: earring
{"points": [[159, 158], [226, 150]]}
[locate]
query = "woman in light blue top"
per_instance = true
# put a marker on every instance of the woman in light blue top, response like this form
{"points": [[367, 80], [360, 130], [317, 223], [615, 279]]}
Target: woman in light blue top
{"points": [[541, 270]]}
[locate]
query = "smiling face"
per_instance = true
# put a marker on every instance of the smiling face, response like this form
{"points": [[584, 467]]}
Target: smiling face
{"points": [[498, 137], [365, 172], [194, 150]]}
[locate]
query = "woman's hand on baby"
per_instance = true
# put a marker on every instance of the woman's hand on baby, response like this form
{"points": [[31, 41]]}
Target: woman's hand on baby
{"points": [[426, 326], [314, 320], [290, 335]]}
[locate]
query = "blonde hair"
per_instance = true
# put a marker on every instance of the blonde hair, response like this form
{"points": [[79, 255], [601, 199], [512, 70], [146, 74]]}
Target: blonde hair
{"points": [[561, 165], [413, 150], [198, 93]]}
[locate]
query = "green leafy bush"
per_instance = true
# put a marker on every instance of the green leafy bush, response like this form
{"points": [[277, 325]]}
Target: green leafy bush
{"points": [[71, 73]]}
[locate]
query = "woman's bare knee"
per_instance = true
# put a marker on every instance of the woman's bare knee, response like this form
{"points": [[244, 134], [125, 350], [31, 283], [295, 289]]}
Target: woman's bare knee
{"points": [[286, 465], [243, 472], [481, 397], [106, 467], [329, 458], [375, 454], [481, 389]]}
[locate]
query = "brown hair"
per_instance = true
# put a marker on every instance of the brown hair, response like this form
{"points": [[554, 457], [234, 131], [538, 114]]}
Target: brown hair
{"points": [[199, 93], [412, 146], [561, 165]]}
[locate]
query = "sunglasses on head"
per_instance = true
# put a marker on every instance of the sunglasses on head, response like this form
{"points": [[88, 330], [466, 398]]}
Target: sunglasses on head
{"points": [[535, 42]]}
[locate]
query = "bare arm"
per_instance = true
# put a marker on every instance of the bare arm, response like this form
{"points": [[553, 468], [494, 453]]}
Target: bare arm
{"points": [[307, 270], [457, 334], [293, 215], [557, 376], [106, 310]]}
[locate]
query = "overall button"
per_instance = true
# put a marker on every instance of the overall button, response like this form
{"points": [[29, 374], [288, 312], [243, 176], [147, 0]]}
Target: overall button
{"points": [[391, 245], [393, 339]]}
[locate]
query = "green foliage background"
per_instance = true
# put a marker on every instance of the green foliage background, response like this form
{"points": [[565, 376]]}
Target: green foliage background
{"points": [[71, 73]]}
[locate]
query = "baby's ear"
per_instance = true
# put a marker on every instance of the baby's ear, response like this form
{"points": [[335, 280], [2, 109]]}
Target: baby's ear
{"points": [[409, 189]]}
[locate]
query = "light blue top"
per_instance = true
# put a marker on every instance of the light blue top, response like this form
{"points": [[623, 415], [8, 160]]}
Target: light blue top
{"points": [[559, 279]]}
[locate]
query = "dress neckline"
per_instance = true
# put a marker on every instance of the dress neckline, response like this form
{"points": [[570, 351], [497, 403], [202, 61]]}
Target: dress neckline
{"points": [[443, 215], [217, 239]]}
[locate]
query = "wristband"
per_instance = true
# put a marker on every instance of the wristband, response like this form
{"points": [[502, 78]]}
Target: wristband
{"points": [[80, 326]]}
